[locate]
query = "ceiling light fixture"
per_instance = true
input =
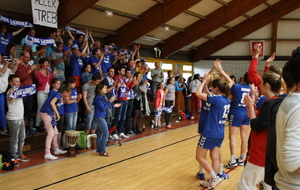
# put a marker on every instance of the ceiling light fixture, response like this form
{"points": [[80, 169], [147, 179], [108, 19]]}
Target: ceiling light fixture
{"points": [[108, 13]]}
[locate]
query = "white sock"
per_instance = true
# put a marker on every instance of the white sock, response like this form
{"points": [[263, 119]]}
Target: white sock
{"points": [[221, 169], [201, 170], [213, 174], [242, 157], [233, 159]]}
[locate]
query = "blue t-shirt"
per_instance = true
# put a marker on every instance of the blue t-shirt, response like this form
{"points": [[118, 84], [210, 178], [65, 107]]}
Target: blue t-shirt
{"points": [[66, 48], [107, 62], [71, 108], [100, 106], [76, 65], [4, 42], [93, 59], [215, 123], [238, 106], [46, 108], [85, 78]]}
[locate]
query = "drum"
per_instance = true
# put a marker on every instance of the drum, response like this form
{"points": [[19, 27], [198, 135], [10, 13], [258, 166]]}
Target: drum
{"points": [[93, 140], [72, 138]]}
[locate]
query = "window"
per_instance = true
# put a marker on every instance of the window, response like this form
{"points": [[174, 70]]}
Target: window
{"points": [[187, 68]]}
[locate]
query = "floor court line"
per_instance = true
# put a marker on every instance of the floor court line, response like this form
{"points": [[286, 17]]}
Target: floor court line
{"points": [[132, 157]]}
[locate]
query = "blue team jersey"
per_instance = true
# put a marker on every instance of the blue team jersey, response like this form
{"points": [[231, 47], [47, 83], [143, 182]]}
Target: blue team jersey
{"points": [[203, 115], [93, 59], [71, 108], [107, 62], [260, 101], [215, 123], [46, 108], [238, 106], [76, 65]]}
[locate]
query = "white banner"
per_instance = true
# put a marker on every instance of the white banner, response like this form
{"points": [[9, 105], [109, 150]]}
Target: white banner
{"points": [[45, 12]]}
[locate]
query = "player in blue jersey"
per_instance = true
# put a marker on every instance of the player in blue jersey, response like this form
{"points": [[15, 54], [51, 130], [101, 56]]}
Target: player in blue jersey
{"points": [[213, 132], [238, 120]]}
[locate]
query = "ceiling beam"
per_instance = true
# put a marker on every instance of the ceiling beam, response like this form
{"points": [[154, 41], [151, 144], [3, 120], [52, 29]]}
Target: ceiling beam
{"points": [[151, 19], [222, 2], [194, 14], [245, 28], [174, 28], [214, 20], [70, 9], [159, 1], [120, 13], [274, 35]]}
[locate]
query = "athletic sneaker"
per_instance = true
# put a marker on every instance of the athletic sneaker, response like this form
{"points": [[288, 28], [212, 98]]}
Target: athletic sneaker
{"points": [[123, 135], [16, 162], [224, 175], [58, 151], [231, 165], [200, 176], [50, 157], [205, 183], [240, 163], [214, 182], [115, 136], [23, 159], [130, 133]]}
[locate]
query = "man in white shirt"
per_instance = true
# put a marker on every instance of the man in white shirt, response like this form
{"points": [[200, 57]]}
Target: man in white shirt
{"points": [[157, 76], [5, 71]]}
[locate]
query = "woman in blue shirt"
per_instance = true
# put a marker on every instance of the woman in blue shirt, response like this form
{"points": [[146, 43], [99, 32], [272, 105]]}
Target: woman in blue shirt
{"points": [[101, 104]]}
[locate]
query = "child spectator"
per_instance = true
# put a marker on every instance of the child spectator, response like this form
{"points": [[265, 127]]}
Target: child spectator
{"points": [[50, 115], [159, 104], [15, 122], [71, 107]]}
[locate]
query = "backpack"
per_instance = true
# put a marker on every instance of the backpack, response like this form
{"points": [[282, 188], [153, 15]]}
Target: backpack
{"points": [[7, 161], [182, 115], [82, 140]]}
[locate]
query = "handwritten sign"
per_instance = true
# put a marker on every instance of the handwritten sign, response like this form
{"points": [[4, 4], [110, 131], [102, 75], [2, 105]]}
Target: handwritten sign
{"points": [[44, 12]]}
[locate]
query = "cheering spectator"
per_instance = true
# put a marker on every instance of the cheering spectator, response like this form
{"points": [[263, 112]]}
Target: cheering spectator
{"points": [[58, 61], [5, 71], [26, 74], [157, 76], [5, 37]]}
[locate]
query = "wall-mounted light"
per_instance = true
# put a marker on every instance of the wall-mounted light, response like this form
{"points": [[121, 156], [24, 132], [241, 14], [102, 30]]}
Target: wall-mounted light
{"points": [[166, 28], [108, 13]]}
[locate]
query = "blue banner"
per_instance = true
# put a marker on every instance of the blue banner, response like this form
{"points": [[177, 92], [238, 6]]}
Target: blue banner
{"points": [[74, 30], [16, 23], [168, 109], [24, 91], [29, 40]]}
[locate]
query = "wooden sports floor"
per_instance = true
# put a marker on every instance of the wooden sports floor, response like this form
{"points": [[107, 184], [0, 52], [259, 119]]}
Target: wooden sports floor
{"points": [[162, 161]]}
